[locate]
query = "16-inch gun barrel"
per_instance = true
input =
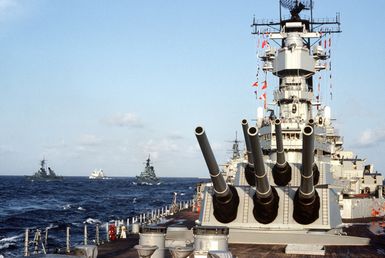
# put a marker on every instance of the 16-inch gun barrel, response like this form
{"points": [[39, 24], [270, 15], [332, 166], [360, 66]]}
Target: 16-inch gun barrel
{"points": [[261, 181], [307, 183], [225, 198], [249, 168], [306, 199], [282, 169], [311, 122], [220, 187], [266, 198], [245, 127]]}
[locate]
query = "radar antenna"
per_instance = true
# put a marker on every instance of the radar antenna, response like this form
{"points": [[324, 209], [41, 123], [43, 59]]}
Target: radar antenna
{"points": [[296, 6]]}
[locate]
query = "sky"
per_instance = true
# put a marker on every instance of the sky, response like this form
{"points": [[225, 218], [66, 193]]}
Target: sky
{"points": [[103, 84]]}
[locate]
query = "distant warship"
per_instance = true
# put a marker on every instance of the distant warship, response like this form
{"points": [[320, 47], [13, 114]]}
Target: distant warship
{"points": [[230, 168], [44, 173], [147, 176]]}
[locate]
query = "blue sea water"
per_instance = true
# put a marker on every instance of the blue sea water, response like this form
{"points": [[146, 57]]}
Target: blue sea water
{"points": [[58, 204]]}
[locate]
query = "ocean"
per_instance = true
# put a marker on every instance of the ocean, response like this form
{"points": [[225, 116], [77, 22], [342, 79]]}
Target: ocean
{"points": [[71, 202]]}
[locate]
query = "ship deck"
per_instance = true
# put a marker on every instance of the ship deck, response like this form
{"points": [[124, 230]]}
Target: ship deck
{"points": [[124, 247]]}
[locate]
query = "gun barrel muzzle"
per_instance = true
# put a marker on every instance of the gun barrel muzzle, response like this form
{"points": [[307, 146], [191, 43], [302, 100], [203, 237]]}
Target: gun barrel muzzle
{"points": [[263, 188], [220, 187]]}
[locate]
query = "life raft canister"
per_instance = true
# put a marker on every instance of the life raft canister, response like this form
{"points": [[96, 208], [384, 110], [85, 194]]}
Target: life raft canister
{"points": [[112, 232]]}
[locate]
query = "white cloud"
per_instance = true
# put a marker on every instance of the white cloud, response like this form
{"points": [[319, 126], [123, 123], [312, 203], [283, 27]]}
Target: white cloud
{"points": [[10, 8], [60, 145], [370, 137], [6, 4], [124, 120], [176, 135], [89, 139], [160, 146], [5, 149], [85, 143]]}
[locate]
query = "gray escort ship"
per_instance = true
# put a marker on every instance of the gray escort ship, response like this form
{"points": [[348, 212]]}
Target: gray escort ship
{"points": [[44, 173], [147, 176], [230, 168]]}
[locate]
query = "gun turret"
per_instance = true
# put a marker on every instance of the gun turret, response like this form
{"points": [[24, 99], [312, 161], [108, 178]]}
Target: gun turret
{"points": [[282, 169], [249, 168], [266, 198], [225, 197], [306, 199]]}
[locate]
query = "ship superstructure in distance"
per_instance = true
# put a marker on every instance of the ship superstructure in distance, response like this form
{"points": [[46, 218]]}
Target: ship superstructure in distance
{"points": [[230, 168], [98, 174], [44, 173], [148, 176]]}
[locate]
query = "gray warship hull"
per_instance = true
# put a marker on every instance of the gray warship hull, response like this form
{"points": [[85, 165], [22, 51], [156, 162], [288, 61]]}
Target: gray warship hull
{"points": [[147, 176], [44, 174]]}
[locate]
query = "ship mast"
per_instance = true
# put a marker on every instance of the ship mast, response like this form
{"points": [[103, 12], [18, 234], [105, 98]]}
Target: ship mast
{"points": [[294, 63]]}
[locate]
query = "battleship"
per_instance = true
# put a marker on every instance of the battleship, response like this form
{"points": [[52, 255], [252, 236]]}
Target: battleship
{"points": [[44, 173], [147, 176], [359, 185], [296, 183]]}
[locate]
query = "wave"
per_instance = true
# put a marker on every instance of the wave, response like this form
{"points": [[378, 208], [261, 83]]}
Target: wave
{"points": [[71, 203], [67, 207], [52, 226], [10, 242], [8, 246], [92, 221], [10, 239]]}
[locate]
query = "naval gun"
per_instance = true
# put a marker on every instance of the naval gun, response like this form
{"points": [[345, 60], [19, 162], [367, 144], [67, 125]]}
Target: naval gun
{"points": [[281, 169], [306, 199], [249, 167], [225, 197], [266, 197], [311, 122]]}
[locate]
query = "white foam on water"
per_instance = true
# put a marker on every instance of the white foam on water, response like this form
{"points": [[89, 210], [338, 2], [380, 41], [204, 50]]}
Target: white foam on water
{"points": [[9, 241], [92, 221], [6, 245], [52, 226], [67, 207]]}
